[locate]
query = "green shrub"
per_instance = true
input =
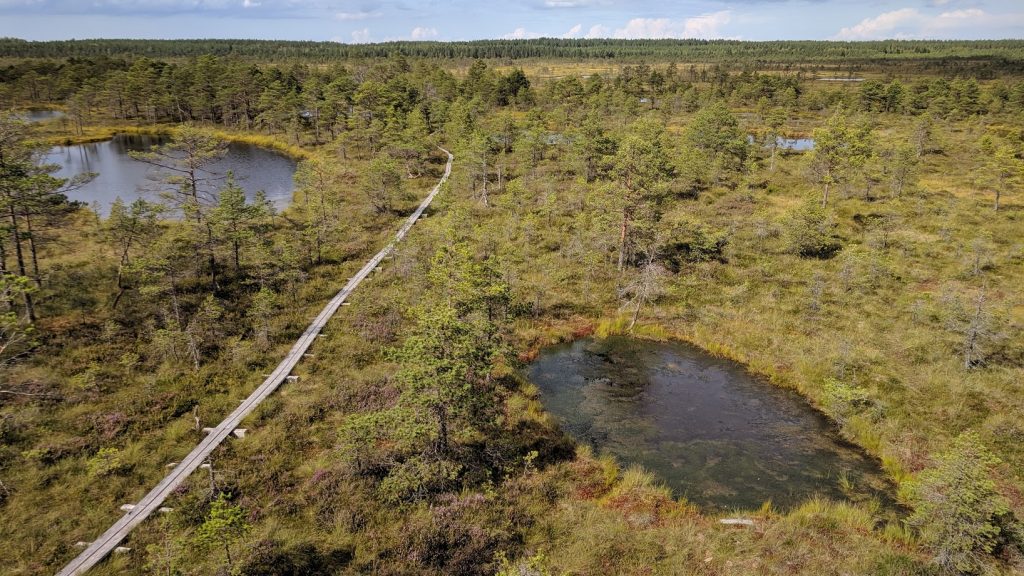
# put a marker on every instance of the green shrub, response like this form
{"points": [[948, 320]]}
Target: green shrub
{"points": [[106, 462], [811, 232], [958, 511]]}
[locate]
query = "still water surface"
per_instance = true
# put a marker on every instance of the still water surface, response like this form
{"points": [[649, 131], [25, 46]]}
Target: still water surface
{"points": [[254, 169], [711, 431], [40, 115], [794, 144]]}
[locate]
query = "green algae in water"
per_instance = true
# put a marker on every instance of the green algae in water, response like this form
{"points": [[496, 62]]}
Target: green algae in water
{"points": [[715, 434]]}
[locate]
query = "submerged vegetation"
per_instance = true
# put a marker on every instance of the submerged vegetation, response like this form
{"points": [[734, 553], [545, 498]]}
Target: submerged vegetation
{"points": [[877, 274]]}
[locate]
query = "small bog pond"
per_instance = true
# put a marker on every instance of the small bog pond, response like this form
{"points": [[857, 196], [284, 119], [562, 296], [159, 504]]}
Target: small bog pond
{"points": [[40, 115], [794, 144], [254, 169], [714, 433]]}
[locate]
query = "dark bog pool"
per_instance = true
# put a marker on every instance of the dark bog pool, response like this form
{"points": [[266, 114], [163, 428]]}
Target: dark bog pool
{"points": [[254, 168], [714, 433]]}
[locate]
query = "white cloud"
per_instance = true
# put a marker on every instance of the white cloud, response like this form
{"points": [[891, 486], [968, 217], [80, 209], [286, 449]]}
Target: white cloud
{"points": [[706, 25], [646, 28], [351, 16], [361, 36], [913, 23], [567, 3], [423, 33], [598, 31], [573, 32], [960, 14], [520, 34], [885, 25], [703, 26], [135, 6]]}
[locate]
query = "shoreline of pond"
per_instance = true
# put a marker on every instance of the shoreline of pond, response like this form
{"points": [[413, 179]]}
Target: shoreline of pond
{"points": [[102, 133]]}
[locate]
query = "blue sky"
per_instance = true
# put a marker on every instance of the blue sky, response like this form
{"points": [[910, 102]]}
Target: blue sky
{"points": [[379, 20]]}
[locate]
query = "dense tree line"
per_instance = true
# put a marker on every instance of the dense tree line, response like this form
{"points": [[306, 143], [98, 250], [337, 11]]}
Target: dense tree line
{"points": [[394, 102], [1003, 54]]}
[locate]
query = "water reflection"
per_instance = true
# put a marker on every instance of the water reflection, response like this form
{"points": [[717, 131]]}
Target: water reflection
{"points": [[254, 169], [794, 144]]}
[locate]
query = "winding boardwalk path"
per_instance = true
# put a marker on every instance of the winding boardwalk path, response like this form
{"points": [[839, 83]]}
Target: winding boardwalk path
{"points": [[97, 550]]}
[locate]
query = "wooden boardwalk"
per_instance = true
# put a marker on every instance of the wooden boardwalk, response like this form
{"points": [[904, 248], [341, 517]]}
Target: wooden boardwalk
{"points": [[105, 544]]}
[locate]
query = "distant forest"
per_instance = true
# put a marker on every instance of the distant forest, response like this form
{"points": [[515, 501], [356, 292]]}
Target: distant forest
{"points": [[1004, 54]]}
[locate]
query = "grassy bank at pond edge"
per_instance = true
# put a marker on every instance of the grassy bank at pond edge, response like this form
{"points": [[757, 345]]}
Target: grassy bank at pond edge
{"points": [[102, 133]]}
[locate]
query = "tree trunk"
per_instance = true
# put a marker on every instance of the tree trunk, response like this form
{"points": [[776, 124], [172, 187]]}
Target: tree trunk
{"points": [[120, 293], [636, 314], [622, 239], [32, 251], [211, 256], [3, 272], [442, 428], [972, 337], [30, 309], [121, 289], [973, 333], [316, 125]]}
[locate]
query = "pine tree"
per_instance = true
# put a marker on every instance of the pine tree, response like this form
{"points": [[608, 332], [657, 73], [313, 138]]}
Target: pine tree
{"points": [[223, 526], [958, 510], [840, 151]]}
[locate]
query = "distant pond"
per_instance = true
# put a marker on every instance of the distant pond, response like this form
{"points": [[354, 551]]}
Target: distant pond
{"points": [[714, 433], [795, 144], [40, 115], [254, 169]]}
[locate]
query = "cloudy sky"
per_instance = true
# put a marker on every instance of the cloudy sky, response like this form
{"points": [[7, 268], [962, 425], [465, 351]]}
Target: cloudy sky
{"points": [[379, 20]]}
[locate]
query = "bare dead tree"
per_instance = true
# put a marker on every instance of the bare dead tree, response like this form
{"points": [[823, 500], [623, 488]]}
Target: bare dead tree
{"points": [[647, 286], [979, 329]]}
